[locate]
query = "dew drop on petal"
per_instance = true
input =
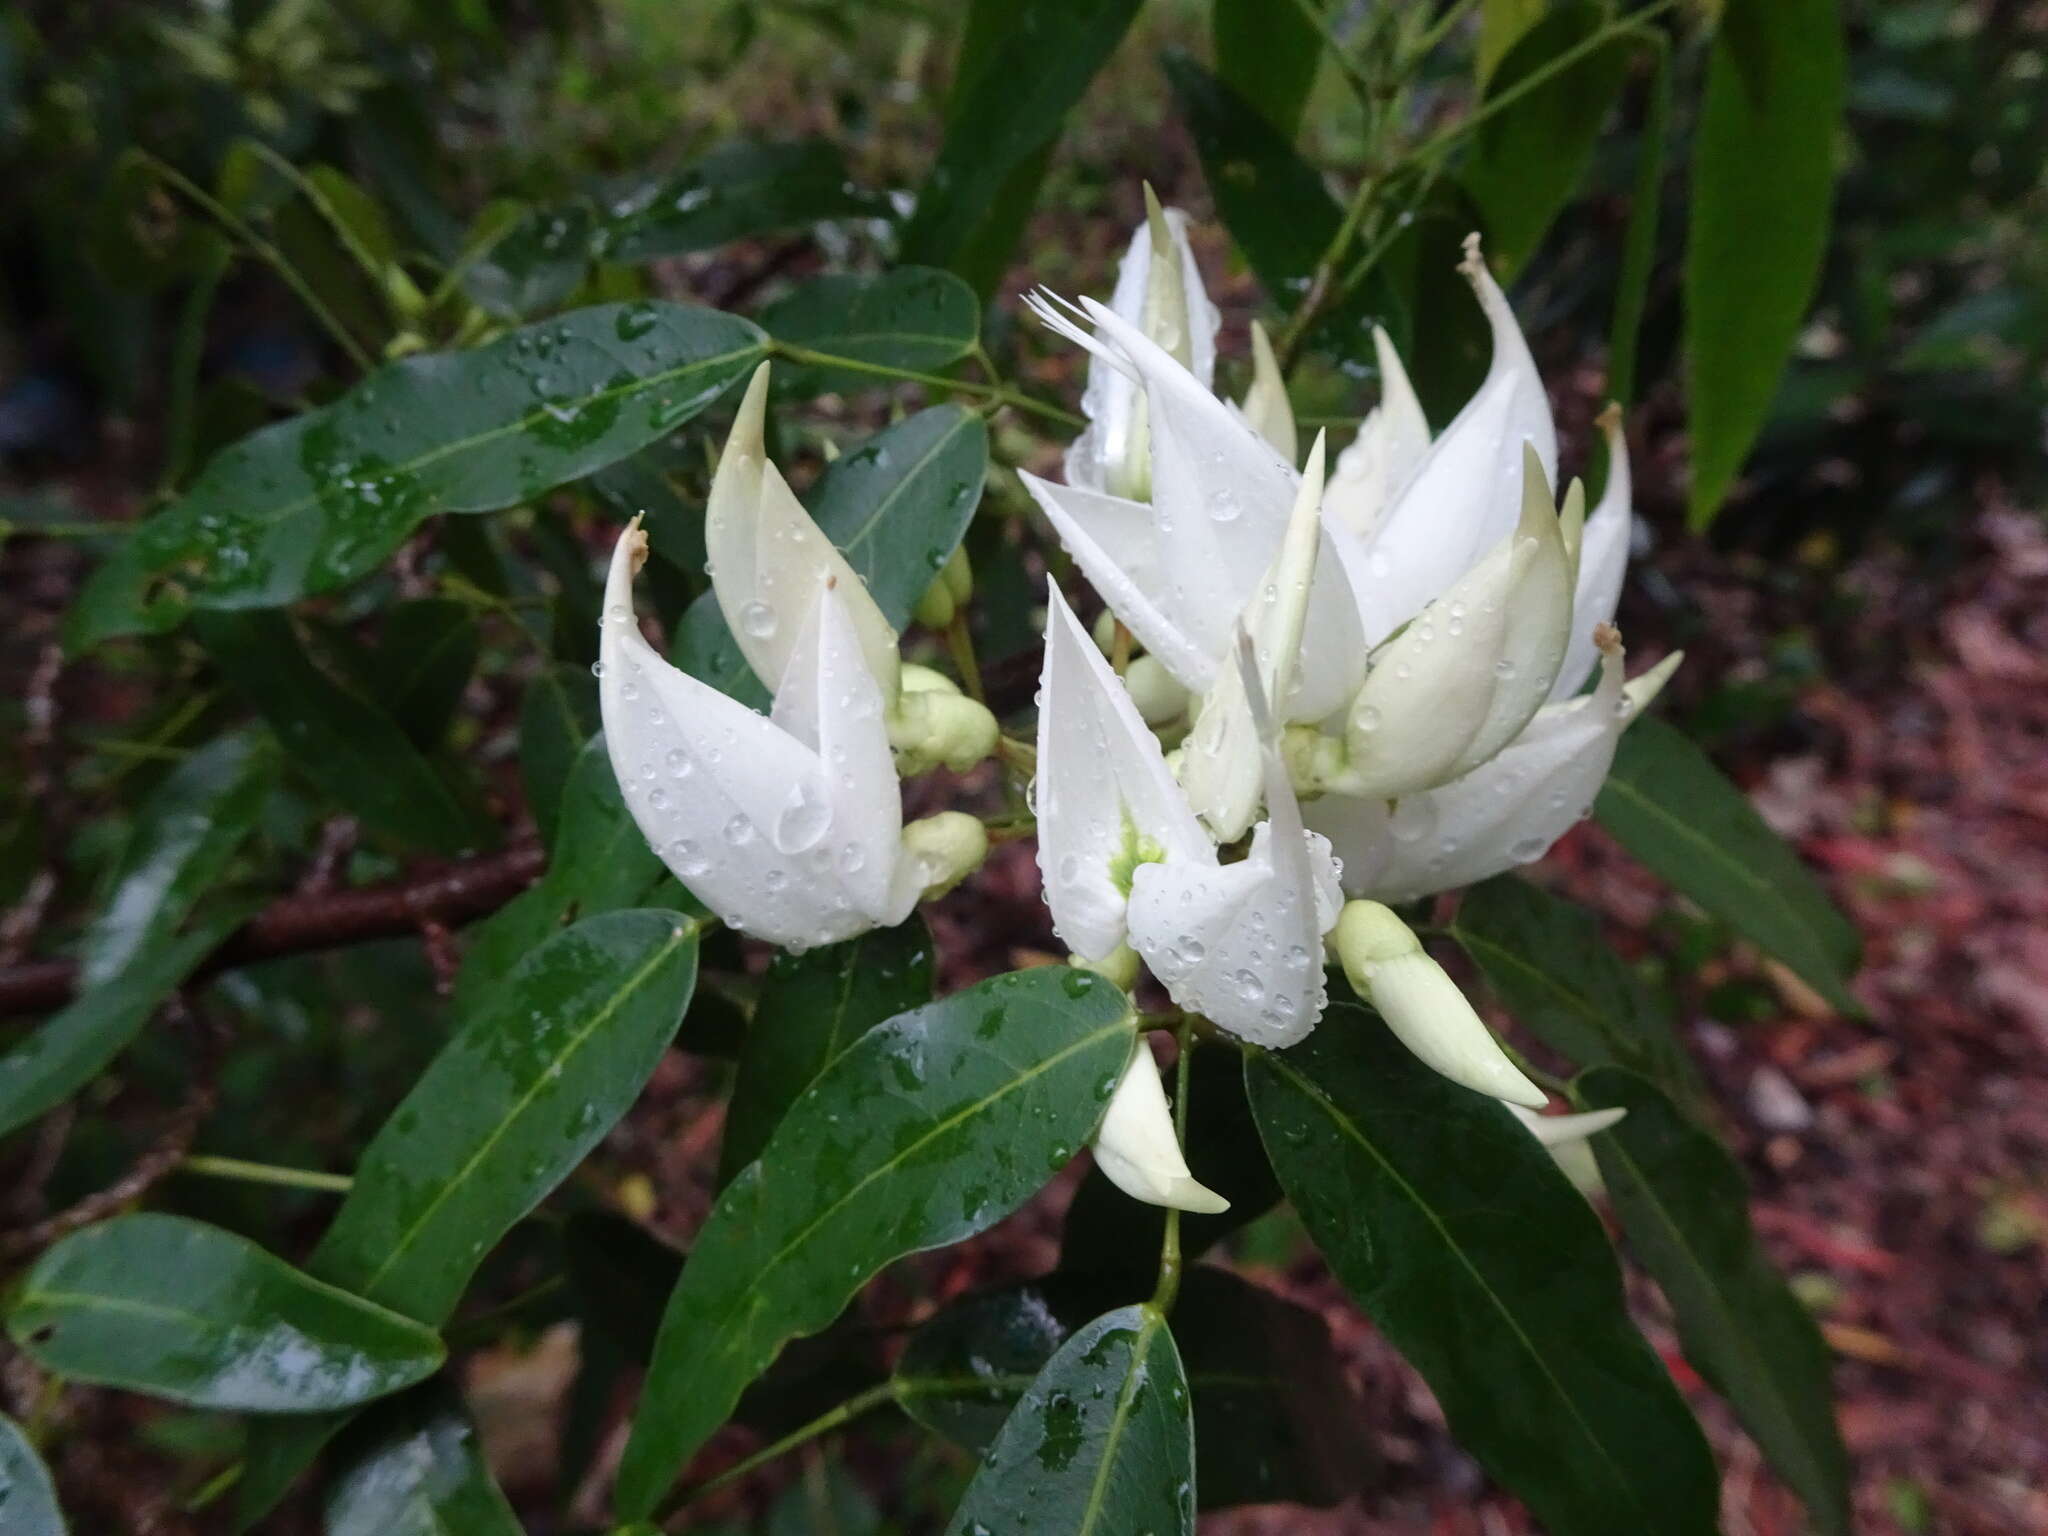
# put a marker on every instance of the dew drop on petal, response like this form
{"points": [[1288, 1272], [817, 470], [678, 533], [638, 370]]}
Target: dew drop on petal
{"points": [[738, 832], [758, 619]]}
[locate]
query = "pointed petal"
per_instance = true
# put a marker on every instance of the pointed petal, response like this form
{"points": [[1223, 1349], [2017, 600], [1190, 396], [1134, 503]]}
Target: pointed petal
{"points": [[767, 557], [1102, 783], [1603, 560], [1464, 495], [1556, 1131], [1115, 543], [1266, 405], [1390, 445], [1538, 612], [707, 780], [1136, 1147]]}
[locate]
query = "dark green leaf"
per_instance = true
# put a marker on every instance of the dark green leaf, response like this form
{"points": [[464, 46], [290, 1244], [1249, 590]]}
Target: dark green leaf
{"points": [[67, 1052], [1685, 1206], [896, 507], [555, 720], [424, 656], [537, 261], [1673, 809], [181, 1310], [415, 1469], [1544, 957], [1529, 156], [1101, 1444], [675, 527], [932, 1127], [1762, 183], [26, 1495], [917, 318], [1455, 1232], [1639, 243], [1026, 63], [341, 740], [813, 1006], [738, 189], [311, 504], [184, 835], [1268, 55]]}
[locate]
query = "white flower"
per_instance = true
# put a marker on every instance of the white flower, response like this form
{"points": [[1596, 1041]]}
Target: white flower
{"points": [[1125, 859], [1565, 1137], [1136, 1147], [1266, 406], [1391, 442]]}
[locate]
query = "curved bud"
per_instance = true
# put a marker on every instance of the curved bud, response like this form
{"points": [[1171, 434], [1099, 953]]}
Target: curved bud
{"points": [[933, 727], [936, 607], [1602, 562], [1160, 698], [1390, 444], [1564, 1136], [958, 574], [1120, 966], [1266, 405], [1136, 1147], [767, 557], [1388, 967], [938, 852]]}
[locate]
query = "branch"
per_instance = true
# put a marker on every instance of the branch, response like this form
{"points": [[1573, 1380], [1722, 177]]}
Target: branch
{"points": [[451, 895]]}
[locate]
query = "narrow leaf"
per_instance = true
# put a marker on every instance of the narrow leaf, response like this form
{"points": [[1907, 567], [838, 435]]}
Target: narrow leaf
{"points": [[1268, 54], [555, 720], [917, 318], [184, 1311], [26, 1493], [1763, 177], [311, 504], [736, 190], [425, 654], [414, 1468], [1684, 1203], [1672, 808], [1455, 1232], [1639, 241], [1101, 1444], [812, 1007], [932, 1127]]}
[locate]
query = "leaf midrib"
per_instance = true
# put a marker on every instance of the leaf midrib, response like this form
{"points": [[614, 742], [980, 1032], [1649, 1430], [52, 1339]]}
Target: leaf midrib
{"points": [[1119, 1419], [864, 531]]}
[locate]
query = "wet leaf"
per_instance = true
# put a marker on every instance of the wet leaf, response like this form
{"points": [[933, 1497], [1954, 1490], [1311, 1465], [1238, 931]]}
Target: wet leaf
{"points": [[414, 1467], [184, 1311], [1101, 1443], [917, 318], [1685, 1206], [312, 504], [1268, 55], [1672, 808], [930, 1128], [1454, 1231], [26, 1494], [738, 189], [555, 720], [426, 650]]}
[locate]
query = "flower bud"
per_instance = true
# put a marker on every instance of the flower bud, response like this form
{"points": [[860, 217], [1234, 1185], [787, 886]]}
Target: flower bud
{"points": [[943, 850], [934, 726], [1388, 966], [1565, 1136], [936, 608], [1136, 1147], [1266, 405], [1158, 694], [1120, 966]]}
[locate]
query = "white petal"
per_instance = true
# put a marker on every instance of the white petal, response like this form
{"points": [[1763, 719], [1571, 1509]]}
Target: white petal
{"points": [[708, 781], [1390, 445], [1561, 1130], [1266, 405], [767, 557], [1603, 560], [1115, 543], [1465, 495], [1137, 1149], [1539, 614], [1102, 781]]}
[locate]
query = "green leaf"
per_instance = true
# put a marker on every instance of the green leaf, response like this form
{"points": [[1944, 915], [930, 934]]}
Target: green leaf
{"points": [[414, 1468], [184, 1311], [555, 720], [1763, 177], [184, 836], [1026, 62], [69, 1050], [917, 318], [26, 1493], [812, 1007], [1685, 1206], [1545, 959], [1101, 1444], [736, 190], [1672, 808], [1501, 25], [930, 1128], [1456, 1234], [896, 507], [538, 258], [1639, 242], [1268, 54], [344, 742], [600, 863], [1529, 156], [1276, 1418], [426, 651], [312, 504], [675, 525]]}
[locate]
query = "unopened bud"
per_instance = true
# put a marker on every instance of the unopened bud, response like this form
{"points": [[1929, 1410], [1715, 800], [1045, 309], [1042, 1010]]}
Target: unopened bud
{"points": [[1136, 1147], [936, 608], [1120, 965], [930, 727], [945, 849], [958, 574], [1159, 695]]}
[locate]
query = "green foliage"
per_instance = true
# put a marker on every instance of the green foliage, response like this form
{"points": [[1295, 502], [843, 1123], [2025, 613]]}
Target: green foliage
{"points": [[913, 318], [25, 1491], [414, 1468]]}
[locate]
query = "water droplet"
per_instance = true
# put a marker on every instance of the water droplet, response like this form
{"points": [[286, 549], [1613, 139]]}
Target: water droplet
{"points": [[1412, 820], [688, 858], [802, 820], [851, 859], [1523, 849], [679, 764], [597, 669], [1503, 669], [758, 620], [1249, 988], [1368, 719], [1188, 950], [738, 832]]}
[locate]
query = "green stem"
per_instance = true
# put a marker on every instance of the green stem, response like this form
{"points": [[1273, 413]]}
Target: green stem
{"points": [[1325, 274], [960, 643], [1355, 77], [1168, 1288], [1441, 28], [1000, 394], [365, 259], [266, 1173]]}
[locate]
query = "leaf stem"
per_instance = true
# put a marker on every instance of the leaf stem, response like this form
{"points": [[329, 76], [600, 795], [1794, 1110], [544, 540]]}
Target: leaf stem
{"points": [[1355, 77], [960, 643], [1168, 1288], [1000, 394], [266, 1173]]}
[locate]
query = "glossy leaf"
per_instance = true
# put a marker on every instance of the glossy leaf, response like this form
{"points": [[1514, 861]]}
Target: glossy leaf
{"points": [[896, 507], [1528, 158], [1545, 959], [736, 190], [414, 1467], [1454, 1231], [930, 1128], [917, 318], [68, 1051], [1672, 808], [425, 654], [812, 1007], [184, 836], [555, 720], [1100, 1444], [184, 1311], [312, 504], [675, 524], [26, 1494], [1763, 174], [1685, 1206], [1268, 55], [338, 737], [1639, 241], [1029, 64]]}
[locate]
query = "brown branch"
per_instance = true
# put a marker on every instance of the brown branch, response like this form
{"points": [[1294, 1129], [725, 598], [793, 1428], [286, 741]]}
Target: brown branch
{"points": [[452, 895]]}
